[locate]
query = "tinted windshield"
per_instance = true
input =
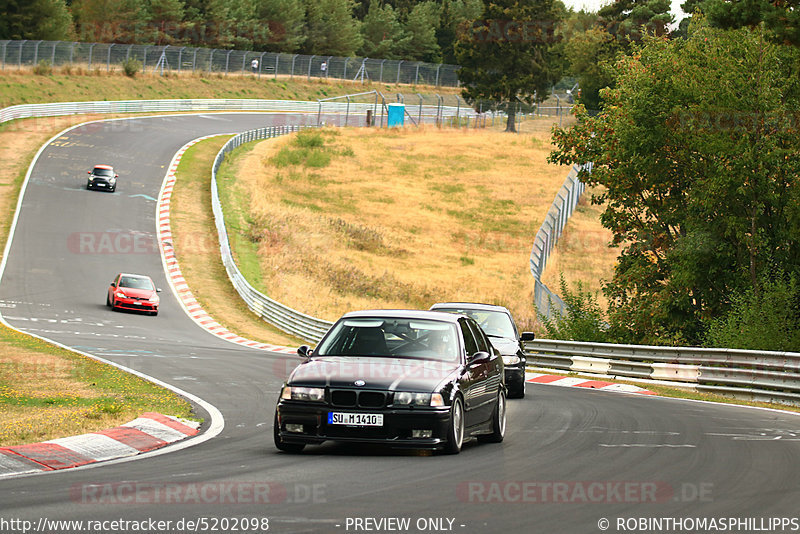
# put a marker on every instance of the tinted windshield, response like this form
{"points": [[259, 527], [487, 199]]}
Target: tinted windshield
{"points": [[103, 172], [136, 283], [493, 323], [392, 338]]}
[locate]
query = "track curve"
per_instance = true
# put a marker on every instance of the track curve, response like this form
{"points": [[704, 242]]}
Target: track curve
{"points": [[561, 468]]}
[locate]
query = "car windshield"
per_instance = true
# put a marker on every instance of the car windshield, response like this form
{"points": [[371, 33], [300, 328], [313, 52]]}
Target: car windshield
{"points": [[135, 282], [392, 338], [493, 323], [103, 172]]}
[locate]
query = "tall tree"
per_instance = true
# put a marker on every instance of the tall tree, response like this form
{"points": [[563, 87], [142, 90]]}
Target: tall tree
{"points": [[109, 21], [331, 28], [285, 20], [700, 176], [510, 54], [382, 32], [420, 26], [48, 20], [781, 18]]}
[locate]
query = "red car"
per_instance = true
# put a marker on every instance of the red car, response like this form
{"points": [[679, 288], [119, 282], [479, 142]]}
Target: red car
{"points": [[133, 292]]}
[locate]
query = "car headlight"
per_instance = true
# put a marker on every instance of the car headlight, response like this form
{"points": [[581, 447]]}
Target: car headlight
{"points": [[154, 298], [121, 295], [511, 359], [303, 394], [407, 398]]}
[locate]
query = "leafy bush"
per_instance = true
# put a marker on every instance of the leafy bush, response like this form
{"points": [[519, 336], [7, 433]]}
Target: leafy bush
{"points": [[43, 68], [131, 67], [583, 319], [768, 319]]}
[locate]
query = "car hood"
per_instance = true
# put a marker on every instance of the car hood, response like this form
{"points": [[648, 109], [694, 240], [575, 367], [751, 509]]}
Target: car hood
{"points": [[505, 345], [397, 374], [143, 294]]}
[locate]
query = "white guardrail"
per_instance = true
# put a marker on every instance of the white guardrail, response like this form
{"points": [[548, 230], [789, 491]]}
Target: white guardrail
{"points": [[343, 110], [756, 375]]}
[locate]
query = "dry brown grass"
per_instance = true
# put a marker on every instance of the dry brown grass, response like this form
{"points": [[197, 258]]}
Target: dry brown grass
{"points": [[401, 218]]}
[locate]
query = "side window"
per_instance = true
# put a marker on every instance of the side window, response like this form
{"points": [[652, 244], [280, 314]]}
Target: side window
{"points": [[480, 338], [469, 340]]}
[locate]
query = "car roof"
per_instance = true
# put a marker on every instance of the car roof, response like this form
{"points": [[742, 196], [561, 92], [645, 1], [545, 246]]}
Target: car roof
{"points": [[135, 275], [470, 306], [109, 167], [406, 314]]}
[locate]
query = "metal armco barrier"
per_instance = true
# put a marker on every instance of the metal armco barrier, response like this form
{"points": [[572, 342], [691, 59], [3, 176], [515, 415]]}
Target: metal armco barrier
{"points": [[273, 312], [340, 110], [546, 238], [756, 375]]}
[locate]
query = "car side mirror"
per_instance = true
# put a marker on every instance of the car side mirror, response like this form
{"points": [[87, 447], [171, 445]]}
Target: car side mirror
{"points": [[479, 358], [116, 176], [304, 351], [88, 172], [527, 336], [158, 290], [113, 284]]}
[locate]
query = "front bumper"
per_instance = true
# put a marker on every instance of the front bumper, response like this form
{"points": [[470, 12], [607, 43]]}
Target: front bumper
{"points": [[395, 432], [101, 184], [136, 305]]}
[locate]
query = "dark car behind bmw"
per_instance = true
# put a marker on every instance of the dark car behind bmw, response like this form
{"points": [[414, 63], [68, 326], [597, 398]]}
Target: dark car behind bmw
{"points": [[406, 378], [499, 325]]}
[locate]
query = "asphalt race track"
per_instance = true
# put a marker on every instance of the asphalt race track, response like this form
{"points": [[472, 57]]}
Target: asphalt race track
{"points": [[571, 457]]}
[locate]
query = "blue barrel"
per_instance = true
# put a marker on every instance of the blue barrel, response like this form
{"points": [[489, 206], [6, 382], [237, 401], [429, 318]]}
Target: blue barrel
{"points": [[395, 115]]}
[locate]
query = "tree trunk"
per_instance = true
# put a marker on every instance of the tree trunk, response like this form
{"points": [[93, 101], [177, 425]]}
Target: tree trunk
{"points": [[511, 123]]}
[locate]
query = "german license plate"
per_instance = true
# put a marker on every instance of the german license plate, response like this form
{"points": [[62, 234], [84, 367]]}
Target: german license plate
{"points": [[355, 419]]}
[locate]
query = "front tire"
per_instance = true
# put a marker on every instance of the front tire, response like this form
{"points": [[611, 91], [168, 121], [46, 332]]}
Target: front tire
{"points": [[282, 445], [108, 301], [455, 433], [498, 420]]}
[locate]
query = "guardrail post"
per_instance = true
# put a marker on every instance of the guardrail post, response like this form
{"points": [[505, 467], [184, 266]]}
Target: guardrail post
{"points": [[310, 61], [144, 59], [416, 75], [53, 55], [5, 44], [261, 64], [275, 74], [180, 58], [381, 80], [294, 58], [398, 71], [347, 113], [419, 115], [194, 60], [227, 61], [438, 67], [91, 52], [72, 53], [19, 59], [36, 53], [211, 60], [108, 58], [344, 76]]}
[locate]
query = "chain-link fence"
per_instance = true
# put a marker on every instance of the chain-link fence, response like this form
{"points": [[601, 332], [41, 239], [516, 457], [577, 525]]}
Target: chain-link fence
{"points": [[105, 56]]}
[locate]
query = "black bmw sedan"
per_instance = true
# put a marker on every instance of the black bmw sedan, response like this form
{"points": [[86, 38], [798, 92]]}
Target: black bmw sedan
{"points": [[499, 326], [406, 378]]}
